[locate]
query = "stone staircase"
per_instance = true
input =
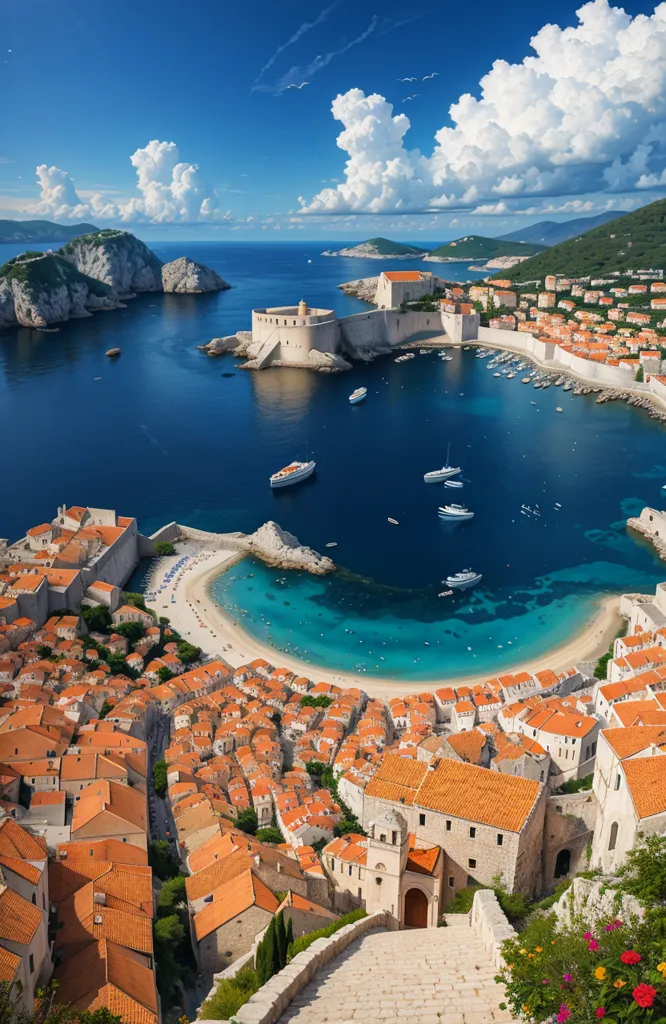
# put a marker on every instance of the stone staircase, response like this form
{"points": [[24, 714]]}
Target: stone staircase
{"points": [[420, 976]]}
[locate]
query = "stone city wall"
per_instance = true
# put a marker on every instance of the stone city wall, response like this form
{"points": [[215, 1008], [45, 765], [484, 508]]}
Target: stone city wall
{"points": [[268, 1004], [490, 925]]}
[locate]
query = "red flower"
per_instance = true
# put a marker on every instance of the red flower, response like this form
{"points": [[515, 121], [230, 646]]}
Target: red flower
{"points": [[599, 1012], [630, 956], [593, 945], [644, 995]]}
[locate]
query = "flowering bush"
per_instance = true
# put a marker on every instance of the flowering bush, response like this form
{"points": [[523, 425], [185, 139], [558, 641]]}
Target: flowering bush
{"points": [[616, 973]]}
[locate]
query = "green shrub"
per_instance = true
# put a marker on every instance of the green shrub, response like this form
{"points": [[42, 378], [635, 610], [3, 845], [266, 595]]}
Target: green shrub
{"points": [[164, 547], [575, 785], [230, 995], [463, 899], [643, 874], [578, 972], [304, 941], [160, 780], [269, 835]]}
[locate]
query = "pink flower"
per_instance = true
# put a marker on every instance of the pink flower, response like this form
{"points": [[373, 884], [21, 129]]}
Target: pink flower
{"points": [[544, 981], [566, 977], [599, 1012], [630, 956], [564, 1014], [587, 936], [593, 945]]}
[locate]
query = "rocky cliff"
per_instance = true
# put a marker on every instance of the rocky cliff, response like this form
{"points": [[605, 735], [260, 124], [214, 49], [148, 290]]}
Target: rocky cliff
{"points": [[116, 258], [37, 289], [185, 275], [364, 288]]}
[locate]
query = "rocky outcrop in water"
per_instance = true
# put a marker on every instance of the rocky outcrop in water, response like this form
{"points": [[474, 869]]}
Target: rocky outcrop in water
{"points": [[276, 546], [364, 288], [38, 289], [118, 259], [220, 346], [185, 275]]}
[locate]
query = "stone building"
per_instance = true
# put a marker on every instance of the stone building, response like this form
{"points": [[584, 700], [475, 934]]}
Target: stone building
{"points": [[488, 824], [289, 333], [226, 926], [397, 286], [630, 787]]}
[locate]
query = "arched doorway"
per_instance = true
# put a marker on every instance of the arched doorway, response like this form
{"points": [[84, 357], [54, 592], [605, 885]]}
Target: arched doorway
{"points": [[416, 909], [563, 863]]}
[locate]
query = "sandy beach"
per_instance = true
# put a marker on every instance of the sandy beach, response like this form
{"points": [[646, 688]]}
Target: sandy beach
{"points": [[185, 598]]}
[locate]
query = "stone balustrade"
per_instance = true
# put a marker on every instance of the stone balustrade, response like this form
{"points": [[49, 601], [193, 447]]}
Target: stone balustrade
{"points": [[490, 925]]}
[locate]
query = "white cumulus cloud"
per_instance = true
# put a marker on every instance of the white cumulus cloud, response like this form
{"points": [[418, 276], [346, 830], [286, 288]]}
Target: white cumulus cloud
{"points": [[585, 114], [170, 191]]}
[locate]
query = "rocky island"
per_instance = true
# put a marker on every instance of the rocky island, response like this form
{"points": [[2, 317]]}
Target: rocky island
{"points": [[92, 272], [38, 289], [380, 249]]}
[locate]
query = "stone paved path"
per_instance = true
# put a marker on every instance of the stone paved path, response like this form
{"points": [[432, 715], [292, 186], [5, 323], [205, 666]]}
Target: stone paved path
{"points": [[425, 976]]}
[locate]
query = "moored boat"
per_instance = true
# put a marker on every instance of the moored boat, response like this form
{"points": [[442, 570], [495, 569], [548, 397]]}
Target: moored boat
{"points": [[357, 396], [466, 578], [112, 352], [292, 474], [454, 512]]}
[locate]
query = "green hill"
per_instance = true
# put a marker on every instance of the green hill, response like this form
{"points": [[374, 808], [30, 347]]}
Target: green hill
{"points": [[631, 242], [385, 247], [42, 272], [477, 247], [549, 232], [40, 231]]}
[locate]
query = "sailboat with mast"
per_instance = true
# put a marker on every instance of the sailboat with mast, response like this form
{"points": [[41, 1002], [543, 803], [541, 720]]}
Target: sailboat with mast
{"points": [[437, 475]]}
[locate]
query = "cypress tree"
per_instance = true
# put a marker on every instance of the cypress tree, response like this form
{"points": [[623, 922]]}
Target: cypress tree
{"points": [[289, 935], [263, 961], [273, 951], [281, 938]]}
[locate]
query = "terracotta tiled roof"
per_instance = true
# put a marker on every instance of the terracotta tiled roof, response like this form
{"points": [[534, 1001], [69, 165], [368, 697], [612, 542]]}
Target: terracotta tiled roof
{"points": [[646, 779], [19, 920], [630, 741], [21, 867], [16, 842], [105, 974], [204, 882], [468, 745], [397, 778], [423, 862], [476, 794], [232, 899], [403, 275], [292, 899], [9, 964]]}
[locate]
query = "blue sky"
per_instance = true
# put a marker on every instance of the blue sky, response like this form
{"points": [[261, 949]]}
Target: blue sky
{"points": [[92, 82]]}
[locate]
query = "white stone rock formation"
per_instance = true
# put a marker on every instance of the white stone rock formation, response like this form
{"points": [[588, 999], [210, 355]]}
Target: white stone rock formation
{"points": [[276, 546], [185, 275]]}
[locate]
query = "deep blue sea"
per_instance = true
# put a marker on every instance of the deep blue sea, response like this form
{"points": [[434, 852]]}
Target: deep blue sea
{"points": [[163, 435]]}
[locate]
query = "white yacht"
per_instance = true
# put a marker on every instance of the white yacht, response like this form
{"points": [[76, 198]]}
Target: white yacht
{"points": [[292, 474], [466, 578], [357, 396], [453, 483], [454, 512], [435, 476]]}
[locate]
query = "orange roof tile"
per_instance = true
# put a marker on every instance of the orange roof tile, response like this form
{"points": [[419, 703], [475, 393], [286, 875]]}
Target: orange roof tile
{"points": [[628, 742], [19, 919], [230, 900], [646, 779], [476, 794], [9, 965], [397, 778]]}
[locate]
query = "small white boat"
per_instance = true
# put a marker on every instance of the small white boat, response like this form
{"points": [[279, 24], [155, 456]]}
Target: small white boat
{"points": [[558, 504], [558, 408], [453, 483], [393, 521], [357, 396], [292, 474], [466, 578], [497, 375], [332, 544], [436, 476], [445, 593], [510, 376], [454, 512]]}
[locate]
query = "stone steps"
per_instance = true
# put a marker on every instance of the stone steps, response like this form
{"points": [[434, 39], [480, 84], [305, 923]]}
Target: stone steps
{"points": [[425, 976]]}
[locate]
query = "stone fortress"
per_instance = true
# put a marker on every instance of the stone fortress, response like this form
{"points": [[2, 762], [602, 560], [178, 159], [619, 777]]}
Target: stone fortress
{"points": [[317, 339]]}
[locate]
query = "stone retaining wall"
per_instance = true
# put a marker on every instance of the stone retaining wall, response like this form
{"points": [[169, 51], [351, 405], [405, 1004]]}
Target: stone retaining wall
{"points": [[268, 1004], [490, 925]]}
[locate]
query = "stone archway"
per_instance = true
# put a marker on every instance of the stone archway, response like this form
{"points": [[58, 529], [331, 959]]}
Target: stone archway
{"points": [[563, 864], [416, 909]]}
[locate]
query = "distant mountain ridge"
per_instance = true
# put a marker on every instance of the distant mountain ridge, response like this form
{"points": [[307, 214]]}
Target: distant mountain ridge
{"points": [[41, 231], [550, 232], [631, 241]]}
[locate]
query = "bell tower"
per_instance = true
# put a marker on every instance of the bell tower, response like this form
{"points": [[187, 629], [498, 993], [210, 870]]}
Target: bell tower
{"points": [[388, 846], [302, 308]]}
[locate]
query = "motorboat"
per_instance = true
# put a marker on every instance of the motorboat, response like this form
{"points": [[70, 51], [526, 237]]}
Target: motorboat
{"points": [[511, 375], [453, 483], [568, 386], [436, 476], [394, 522], [445, 593], [526, 380], [497, 374], [292, 474], [558, 408], [454, 512], [357, 396], [466, 578]]}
